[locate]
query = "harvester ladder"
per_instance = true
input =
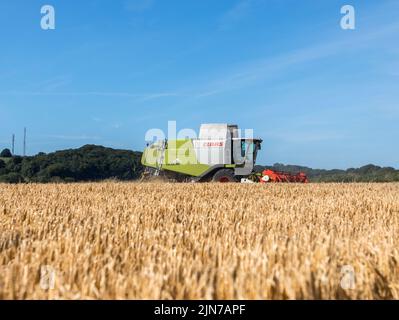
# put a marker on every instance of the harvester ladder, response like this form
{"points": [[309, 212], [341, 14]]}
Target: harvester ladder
{"points": [[161, 158]]}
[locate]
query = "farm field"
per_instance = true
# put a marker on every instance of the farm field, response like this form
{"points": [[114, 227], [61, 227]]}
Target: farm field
{"points": [[199, 241]]}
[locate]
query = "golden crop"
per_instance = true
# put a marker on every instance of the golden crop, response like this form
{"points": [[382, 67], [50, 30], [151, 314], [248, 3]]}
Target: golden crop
{"points": [[199, 241]]}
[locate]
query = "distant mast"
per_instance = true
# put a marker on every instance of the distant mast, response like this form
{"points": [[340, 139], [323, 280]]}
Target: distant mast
{"points": [[13, 144], [24, 142]]}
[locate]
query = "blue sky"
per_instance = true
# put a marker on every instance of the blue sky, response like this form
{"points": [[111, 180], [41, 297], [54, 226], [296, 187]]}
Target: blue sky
{"points": [[318, 95]]}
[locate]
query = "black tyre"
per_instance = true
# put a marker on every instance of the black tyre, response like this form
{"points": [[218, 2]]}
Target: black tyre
{"points": [[224, 176]]}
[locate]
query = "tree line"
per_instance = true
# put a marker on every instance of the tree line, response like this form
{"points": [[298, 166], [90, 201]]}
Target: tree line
{"points": [[97, 163], [88, 163]]}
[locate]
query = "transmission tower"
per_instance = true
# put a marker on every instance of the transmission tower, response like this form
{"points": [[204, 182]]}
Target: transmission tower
{"points": [[24, 142], [13, 144]]}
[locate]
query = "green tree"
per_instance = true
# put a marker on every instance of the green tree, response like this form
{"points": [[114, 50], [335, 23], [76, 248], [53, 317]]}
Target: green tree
{"points": [[11, 177], [6, 153]]}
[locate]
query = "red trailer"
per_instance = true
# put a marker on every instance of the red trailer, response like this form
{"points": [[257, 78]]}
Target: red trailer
{"points": [[280, 176]]}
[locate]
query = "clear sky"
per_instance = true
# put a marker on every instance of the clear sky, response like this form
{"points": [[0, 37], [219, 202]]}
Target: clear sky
{"points": [[318, 95]]}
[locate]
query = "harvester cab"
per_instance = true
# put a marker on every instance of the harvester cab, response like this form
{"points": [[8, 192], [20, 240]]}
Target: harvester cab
{"points": [[219, 154]]}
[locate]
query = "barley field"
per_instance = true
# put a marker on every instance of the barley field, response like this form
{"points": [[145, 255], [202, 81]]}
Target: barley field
{"points": [[199, 241]]}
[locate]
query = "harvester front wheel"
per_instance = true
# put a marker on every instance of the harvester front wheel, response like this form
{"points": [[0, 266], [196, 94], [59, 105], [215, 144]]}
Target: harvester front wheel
{"points": [[224, 175]]}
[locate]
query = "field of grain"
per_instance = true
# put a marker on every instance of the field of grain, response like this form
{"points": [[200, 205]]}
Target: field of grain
{"points": [[199, 241]]}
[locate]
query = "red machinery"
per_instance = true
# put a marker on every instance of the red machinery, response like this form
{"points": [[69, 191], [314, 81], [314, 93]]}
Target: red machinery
{"points": [[280, 176]]}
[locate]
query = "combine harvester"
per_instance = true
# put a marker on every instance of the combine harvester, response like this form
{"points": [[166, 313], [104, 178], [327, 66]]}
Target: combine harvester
{"points": [[220, 154]]}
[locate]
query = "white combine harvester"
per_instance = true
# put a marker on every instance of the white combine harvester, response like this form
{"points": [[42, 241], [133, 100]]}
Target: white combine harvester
{"points": [[219, 154]]}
